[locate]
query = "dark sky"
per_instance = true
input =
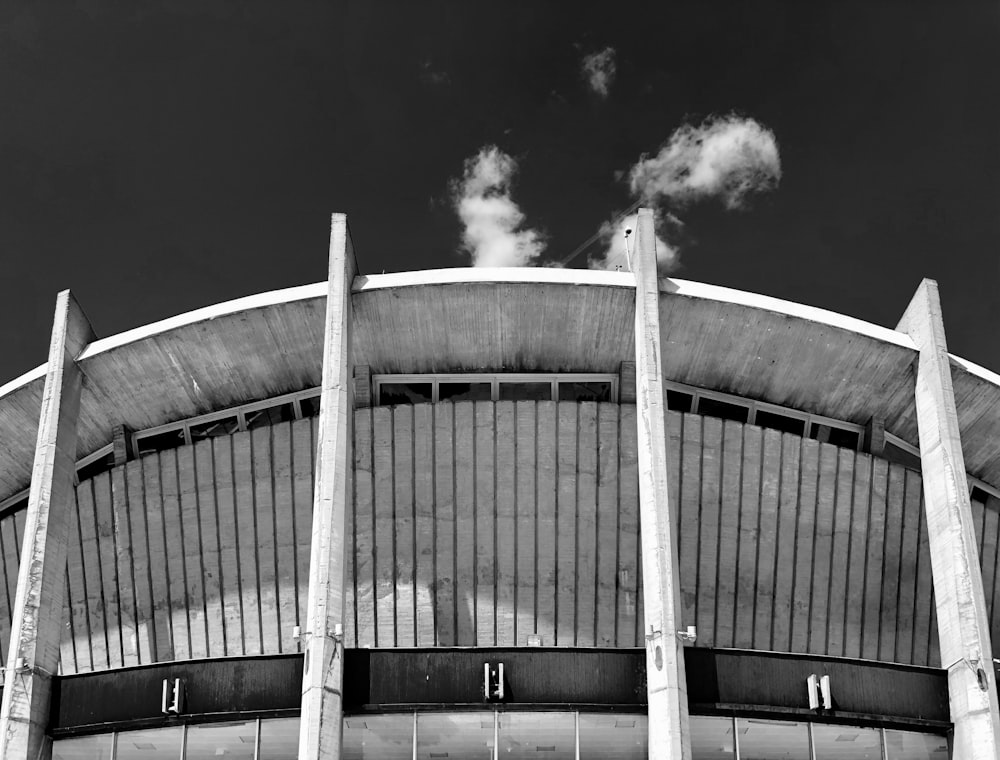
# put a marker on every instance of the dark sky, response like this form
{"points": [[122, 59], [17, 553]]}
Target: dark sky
{"points": [[156, 157]]}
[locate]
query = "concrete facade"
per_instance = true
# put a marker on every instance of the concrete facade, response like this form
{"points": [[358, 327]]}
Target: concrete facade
{"points": [[500, 523]]}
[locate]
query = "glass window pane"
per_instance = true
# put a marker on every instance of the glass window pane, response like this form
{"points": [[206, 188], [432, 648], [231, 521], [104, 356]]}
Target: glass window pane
{"points": [[309, 406], [907, 745], [679, 402], [161, 441], [461, 735], [464, 391], [525, 391], [594, 391], [613, 736], [767, 739], [527, 735], [846, 439], [378, 737], [712, 408], [225, 426], [847, 743], [83, 748], [272, 415], [780, 422], [279, 739], [152, 744], [712, 738], [404, 393], [227, 740]]}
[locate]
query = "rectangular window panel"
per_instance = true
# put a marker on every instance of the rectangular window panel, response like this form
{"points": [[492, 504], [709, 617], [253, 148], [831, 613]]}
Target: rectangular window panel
{"points": [[614, 736], [83, 748], [272, 415], [679, 402], [525, 391], [391, 394], [96, 467], [773, 738], [847, 743], [153, 744], [160, 441], [712, 738], [710, 407], [225, 426], [377, 737], [309, 406], [234, 741], [531, 735], [780, 422], [914, 746], [464, 391], [279, 739], [846, 439], [584, 391], [467, 735]]}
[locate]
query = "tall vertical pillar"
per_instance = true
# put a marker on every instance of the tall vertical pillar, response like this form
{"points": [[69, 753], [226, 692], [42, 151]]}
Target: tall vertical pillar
{"points": [[39, 606], [323, 670], [665, 679], [963, 627]]}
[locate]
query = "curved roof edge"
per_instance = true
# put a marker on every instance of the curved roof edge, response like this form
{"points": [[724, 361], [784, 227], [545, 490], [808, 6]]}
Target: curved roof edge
{"points": [[790, 308], [458, 275], [364, 283]]}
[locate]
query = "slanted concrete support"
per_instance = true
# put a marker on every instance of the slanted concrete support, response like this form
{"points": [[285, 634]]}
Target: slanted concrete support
{"points": [[665, 679], [323, 672], [39, 606], [963, 627]]}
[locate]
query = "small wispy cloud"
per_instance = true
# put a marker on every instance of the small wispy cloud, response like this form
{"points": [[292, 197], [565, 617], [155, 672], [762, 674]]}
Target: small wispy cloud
{"points": [[598, 70], [615, 256], [430, 75], [492, 234], [727, 157]]}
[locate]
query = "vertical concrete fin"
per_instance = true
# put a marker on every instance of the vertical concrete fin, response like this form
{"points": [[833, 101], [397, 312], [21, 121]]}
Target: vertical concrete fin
{"points": [[665, 679], [323, 671], [33, 656], [963, 626]]}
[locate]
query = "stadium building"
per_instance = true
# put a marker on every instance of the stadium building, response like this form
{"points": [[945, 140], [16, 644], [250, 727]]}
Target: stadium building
{"points": [[510, 513]]}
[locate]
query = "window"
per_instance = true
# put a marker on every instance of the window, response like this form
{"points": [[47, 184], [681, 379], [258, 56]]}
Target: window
{"points": [[389, 390]]}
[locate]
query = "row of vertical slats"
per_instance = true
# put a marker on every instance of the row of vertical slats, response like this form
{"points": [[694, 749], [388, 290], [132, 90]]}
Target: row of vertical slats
{"points": [[481, 523], [199, 551], [790, 545]]}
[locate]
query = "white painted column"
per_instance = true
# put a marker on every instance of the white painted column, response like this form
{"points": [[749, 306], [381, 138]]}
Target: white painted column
{"points": [[963, 627], [39, 606], [323, 671], [665, 679]]}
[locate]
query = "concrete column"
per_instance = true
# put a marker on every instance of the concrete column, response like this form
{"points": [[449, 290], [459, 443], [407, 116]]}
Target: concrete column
{"points": [[963, 627], [39, 606], [665, 679], [323, 672]]}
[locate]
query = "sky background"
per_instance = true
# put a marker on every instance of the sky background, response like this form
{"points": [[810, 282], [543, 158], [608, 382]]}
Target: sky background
{"points": [[156, 157]]}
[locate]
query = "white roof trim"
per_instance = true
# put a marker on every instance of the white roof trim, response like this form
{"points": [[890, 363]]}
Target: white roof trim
{"points": [[27, 377], [974, 369], [792, 309], [458, 275], [208, 313]]}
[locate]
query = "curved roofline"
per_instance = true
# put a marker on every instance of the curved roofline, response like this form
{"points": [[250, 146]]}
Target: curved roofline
{"points": [[527, 275], [693, 289]]}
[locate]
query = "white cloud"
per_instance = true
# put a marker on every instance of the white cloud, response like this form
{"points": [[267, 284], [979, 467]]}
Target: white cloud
{"points": [[598, 69], [492, 236], [615, 257], [726, 157]]}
